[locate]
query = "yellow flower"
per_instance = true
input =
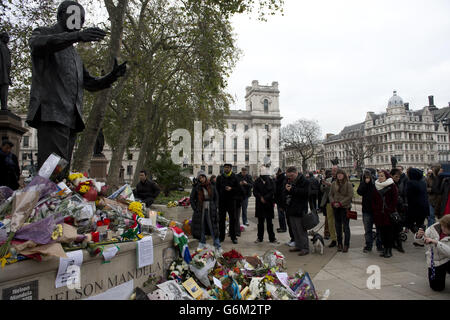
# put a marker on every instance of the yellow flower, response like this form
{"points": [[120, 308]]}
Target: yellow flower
{"points": [[3, 260], [75, 176], [84, 189], [58, 232]]}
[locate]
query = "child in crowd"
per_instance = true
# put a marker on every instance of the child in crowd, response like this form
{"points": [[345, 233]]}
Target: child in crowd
{"points": [[437, 239]]}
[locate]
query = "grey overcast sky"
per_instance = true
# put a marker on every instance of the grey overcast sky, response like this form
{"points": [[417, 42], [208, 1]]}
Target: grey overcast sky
{"points": [[337, 59]]}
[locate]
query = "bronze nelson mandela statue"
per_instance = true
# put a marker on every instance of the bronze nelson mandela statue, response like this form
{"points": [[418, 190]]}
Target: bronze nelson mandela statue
{"points": [[58, 80]]}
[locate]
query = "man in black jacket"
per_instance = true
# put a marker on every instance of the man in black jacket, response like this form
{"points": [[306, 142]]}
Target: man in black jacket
{"points": [[229, 189], [365, 190], [246, 183], [314, 187], [9, 166], [295, 194], [146, 190]]}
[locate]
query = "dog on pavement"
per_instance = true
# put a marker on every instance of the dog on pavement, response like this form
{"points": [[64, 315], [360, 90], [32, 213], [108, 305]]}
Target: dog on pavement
{"points": [[317, 241]]}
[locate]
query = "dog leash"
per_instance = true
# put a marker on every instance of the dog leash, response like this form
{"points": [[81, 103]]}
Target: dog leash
{"points": [[433, 269]]}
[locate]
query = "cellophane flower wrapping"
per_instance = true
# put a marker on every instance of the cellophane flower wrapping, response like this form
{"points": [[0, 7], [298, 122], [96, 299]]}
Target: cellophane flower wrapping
{"points": [[23, 204], [44, 186], [201, 265], [39, 232], [5, 193], [303, 287]]}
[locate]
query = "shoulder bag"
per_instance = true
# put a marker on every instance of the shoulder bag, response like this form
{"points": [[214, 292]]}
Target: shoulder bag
{"points": [[310, 220]]}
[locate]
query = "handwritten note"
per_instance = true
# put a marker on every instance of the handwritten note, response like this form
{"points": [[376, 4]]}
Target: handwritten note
{"points": [[110, 253], [145, 252], [65, 271]]}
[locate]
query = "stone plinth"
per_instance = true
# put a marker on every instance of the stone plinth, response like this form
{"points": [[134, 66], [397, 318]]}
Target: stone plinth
{"points": [[179, 214], [96, 277], [11, 129], [98, 168]]}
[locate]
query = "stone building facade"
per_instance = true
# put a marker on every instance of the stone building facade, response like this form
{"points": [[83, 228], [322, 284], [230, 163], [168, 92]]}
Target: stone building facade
{"points": [[252, 134], [416, 138]]}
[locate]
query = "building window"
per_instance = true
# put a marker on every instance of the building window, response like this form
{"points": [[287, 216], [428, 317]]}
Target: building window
{"points": [[234, 127], [246, 127], [266, 106], [247, 144], [210, 169], [26, 141], [235, 143], [247, 158], [129, 170], [235, 169], [235, 158], [221, 169], [266, 127], [268, 144], [130, 156], [203, 168], [24, 156]]}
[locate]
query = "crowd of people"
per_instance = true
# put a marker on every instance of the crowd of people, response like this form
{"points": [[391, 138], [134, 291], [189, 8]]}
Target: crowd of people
{"points": [[394, 203]]}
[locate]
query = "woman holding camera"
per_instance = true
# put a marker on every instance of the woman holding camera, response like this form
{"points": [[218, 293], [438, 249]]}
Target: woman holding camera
{"points": [[385, 198], [341, 195]]}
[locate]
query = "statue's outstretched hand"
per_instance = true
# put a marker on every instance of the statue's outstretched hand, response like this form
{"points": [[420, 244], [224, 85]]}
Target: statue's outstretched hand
{"points": [[91, 34], [119, 70]]}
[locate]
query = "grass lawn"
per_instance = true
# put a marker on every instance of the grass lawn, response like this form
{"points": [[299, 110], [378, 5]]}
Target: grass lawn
{"points": [[173, 196], [355, 188]]}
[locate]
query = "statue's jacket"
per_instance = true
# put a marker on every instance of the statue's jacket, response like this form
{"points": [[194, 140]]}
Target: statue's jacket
{"points": [[58, 79]]}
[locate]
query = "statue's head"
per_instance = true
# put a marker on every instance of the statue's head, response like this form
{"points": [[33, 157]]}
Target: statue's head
{"points": [[71, 16], [4, 37]]}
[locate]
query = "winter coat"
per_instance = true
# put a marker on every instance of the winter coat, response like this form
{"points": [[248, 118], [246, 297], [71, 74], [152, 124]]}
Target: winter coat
{"points": [[382, 217], [9, 170], [231, 181], [344, 196], [246, 189], [401, 185], [441, 251], [296, 200], [417, 196], [264, 187], [443, 188], [365, 190], [147, 190], [325, 192], [279, 185], [314, 186], [199, 214], [434, 195]]}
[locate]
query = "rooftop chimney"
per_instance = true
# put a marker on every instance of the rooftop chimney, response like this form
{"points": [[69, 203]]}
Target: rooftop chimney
{"points": [[431, 101]]}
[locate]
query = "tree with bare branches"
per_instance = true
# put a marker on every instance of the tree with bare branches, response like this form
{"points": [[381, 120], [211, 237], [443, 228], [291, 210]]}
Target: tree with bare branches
{"points": [[302, 137], [360, 149]]}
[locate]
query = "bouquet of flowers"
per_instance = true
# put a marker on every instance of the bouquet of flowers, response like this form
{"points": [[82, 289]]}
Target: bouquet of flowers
{"points": [[137, 208], [303, 287], [179, 270], [230, 258], [202, 263]]}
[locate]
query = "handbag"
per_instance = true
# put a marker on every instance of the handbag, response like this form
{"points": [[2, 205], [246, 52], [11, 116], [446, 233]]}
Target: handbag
{"points": [[352, 214], [395, 217], [310, 220]]}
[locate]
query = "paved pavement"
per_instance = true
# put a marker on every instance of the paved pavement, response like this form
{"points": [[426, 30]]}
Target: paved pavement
{"points": [[403, 277]]}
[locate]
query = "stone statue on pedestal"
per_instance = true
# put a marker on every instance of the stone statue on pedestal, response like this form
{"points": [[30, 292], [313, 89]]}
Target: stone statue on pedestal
{"points": [[99, 145], [5, 70], [58, 80]]}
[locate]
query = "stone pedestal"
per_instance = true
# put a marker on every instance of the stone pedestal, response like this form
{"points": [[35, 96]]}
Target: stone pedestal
{"points": [[36, 280], [11, 129], [98, 168]]}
